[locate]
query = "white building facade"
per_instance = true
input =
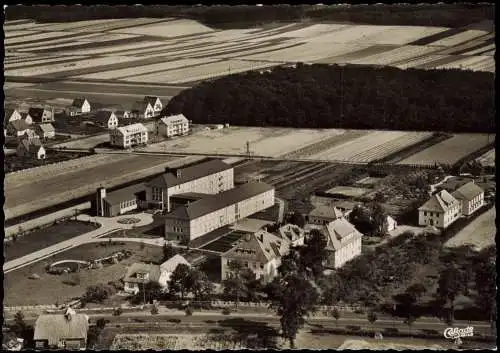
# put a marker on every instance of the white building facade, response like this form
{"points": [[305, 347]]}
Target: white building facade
{"points": [[441, 210], [343, 242], [175, 125], [471, 198], [128, 136]]}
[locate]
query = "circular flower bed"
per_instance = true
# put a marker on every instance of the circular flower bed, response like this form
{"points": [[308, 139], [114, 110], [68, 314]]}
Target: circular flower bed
{"points": [[129, 220]]}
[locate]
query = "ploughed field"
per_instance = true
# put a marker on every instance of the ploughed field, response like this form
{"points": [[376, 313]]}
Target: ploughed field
{"points": [[180, 51]]}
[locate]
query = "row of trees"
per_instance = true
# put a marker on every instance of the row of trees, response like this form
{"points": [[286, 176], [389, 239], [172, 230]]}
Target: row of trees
{"points": [[351, 97], [225, 16]]}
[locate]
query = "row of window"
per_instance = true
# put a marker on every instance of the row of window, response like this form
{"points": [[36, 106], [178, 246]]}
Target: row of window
{"points": [[127, 203]]}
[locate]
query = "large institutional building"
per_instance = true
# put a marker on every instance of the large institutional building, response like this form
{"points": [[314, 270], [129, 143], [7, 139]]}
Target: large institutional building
{"points": [[128, 136], [441, 210], [209, 177], [198, 218]]}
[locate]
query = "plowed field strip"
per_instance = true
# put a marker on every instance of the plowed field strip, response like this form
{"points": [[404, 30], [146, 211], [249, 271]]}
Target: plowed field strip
{"points": [[435, 37], [372, 50]]}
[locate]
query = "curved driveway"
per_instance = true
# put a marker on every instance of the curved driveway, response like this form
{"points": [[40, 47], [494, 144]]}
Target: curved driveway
{"points": [[108, 225]]}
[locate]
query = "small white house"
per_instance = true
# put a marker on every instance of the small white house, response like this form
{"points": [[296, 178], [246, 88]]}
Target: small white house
{"points": [[173, 125], [168, 267], [45, 131], [30, 148], [79, 106], [343, 242], [11, 115], [142, 110], [122, 114], [155, 102], [390, 224], [138, 274], [106, 119], [40, 115]]}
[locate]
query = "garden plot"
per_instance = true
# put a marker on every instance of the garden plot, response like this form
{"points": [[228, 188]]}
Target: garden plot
{"points": [[487, 159], [174, 342], [200, 72], [348, 191], [270, 142], [373, 146], [168, 29], [79, 64], [137, 70], [480, 233], [458, 38], [396, 55], [449, 151]]}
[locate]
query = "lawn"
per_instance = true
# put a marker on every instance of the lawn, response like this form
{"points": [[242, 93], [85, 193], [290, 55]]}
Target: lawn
{"points": [[44, 237], [151, 231], [50, 288]]}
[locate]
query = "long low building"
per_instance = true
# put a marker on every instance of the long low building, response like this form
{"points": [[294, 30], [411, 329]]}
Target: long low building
{"points": [[198, 218], [120, 201]]}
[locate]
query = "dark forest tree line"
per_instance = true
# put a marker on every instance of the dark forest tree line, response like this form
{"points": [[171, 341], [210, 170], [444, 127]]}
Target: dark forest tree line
{"points": [[351, 97], [446, 15]]}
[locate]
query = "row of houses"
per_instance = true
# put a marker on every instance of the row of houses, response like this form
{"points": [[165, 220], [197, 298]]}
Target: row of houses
{"points": [[443, 209]]}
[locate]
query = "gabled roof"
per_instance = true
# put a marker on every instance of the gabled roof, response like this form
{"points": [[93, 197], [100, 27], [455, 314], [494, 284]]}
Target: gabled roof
{"points": [[131, 129], [338, 230], [138, 267], [468, 191], [125, 194], [174, 119], [19, 125], [259, 247], [190, 196], [78, 102], [103, 116], [439, 202], [151, 100], [56, 327], [326, 212], [218, 201], [141, 106], [37, 113], [47, 127], [8, 114], [171, 264], [189, 173]]}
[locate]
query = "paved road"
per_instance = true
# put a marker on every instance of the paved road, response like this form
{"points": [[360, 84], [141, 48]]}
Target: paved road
{"points": [[107, 225]]}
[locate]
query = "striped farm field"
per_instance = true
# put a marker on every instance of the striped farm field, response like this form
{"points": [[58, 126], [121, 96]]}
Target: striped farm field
{"points": [[168, 29], [372, 146], [37, 36], [451, 150], [459, 38], [42, 61]]}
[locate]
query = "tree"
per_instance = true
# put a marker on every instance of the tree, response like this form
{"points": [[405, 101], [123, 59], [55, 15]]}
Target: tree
{"points": [[200, 285], [298, 300], [168, 251], [98, 293], [180, 280], [485, 283], [336, 315], [234, 284], [372, 317], [360, 217], [416, 290], [378, 218], [451, 283], [148, 292], [313, 253], [409, 321], [298, 219]]}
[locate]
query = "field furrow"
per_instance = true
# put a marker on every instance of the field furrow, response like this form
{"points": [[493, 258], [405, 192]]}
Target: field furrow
{"points": [[168, 29]]}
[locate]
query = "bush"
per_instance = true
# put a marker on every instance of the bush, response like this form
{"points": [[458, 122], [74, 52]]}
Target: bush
{"points": [[189, 311], [226, 311], [117, 312], [154, 310], [98, 293]]}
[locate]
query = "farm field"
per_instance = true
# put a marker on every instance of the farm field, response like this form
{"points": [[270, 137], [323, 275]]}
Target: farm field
{"points": [[97, 49], [451, 150], [480, 233], [61, 186], [50, 289]]}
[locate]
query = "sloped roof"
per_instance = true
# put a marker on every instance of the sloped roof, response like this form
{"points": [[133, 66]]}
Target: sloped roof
{"points": [[174, 119], [338, 230], [291, 232], [346, 204], [218, 201], [125, 194], [78, 102], [47, 127], [132, 128], [151, 100], [141, 106], [139, 267], [326, 212], [171, 264], [8, 113], [439, 202], [189, 173], [56, 327], [19, 125], [468, 191], [190, 196], [261, 247], [103, 116], [37, 113]]}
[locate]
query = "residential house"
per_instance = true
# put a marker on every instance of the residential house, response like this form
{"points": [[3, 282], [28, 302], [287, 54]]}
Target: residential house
{"points": [[17, 128], [343, 242], [155, 102], [390, 224], [138, 274], [40, 115], [209, 177], [10, 115], [66, 331], [120, 201], [30, 135], [78, 107], [142, 110], [324, 215], [173, 125], [441, 210], [122, 114], [45, 131], [105, 119], [128, 136], [471, 197], [168, 267], [198, 218], [261, 252], [31, 148], [292, 234]]}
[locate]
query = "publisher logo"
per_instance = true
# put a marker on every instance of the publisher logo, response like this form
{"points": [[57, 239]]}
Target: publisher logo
{"points": [[455, 333]]}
